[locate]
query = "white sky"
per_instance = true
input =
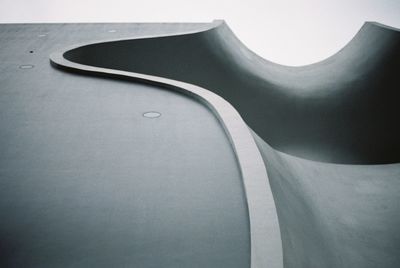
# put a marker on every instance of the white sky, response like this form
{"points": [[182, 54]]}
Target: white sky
{"points": [[287, 32]]}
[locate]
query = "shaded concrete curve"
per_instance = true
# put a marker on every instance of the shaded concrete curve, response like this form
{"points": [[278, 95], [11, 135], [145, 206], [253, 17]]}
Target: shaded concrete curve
{"points": [[343, 109], [87, 181], [261, 207], [335, 215]]}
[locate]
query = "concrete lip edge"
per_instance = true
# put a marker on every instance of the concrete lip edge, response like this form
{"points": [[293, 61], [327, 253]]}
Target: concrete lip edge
{"points": [[261, 206]]}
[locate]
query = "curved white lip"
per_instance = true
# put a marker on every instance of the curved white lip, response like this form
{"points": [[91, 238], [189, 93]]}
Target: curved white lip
{"points": [[214, 24], [261, 206]]}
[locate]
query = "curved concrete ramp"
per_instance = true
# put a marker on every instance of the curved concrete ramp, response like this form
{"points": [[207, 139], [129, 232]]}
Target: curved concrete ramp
{"points": [[342, 111], [334, 215], [99, 172], [97, 184], [261, 207]]}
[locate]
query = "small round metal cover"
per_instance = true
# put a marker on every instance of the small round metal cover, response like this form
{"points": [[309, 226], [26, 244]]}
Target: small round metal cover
{"points": [[152, 114]]}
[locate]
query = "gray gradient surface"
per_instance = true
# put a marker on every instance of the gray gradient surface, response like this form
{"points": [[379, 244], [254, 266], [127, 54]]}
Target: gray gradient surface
{"points": [[343, 109], [66, 135], [334, 215], [87, 181]]}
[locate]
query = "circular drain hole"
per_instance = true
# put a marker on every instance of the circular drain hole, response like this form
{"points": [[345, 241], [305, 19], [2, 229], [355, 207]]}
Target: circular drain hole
{"points": [[152, 114], [26, 66]]}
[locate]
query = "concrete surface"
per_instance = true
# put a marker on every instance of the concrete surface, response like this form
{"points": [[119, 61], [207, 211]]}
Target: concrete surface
{"points": [[261, 206], [87, 181], [340, 208], [330, 111], [334, 215], [341, 110]]}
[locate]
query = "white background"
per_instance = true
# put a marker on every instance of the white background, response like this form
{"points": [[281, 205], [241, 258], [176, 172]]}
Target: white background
{"points": [[286, 32]]}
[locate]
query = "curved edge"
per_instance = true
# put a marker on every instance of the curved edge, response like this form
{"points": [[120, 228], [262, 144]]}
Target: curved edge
{"points": [[218, 23], [321, 61], [326, 58], [212, 25], [230, 67], [264, 226], [381, 25]]}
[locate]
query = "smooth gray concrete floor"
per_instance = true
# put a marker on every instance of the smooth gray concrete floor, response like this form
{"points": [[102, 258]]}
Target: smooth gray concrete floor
{"points": [[87, 181]]}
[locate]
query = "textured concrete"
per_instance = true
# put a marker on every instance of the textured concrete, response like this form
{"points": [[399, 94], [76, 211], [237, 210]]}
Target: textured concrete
{"points": [[87, 181], [341, 110]]}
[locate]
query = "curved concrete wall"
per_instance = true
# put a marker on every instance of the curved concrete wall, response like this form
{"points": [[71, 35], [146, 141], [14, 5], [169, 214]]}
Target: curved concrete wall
{"points": [[334, 215], [262, 213], [342, 110]]}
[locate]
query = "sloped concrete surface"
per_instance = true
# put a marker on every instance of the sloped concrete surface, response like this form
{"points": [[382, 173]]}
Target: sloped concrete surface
{"points": [[342, 110], [334, 215], [261, 207], [87, 181], [327, 132]]}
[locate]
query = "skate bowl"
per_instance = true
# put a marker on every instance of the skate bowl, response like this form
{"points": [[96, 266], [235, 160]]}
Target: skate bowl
{"points": [[341, 110], [328, 132], [100, 172]]}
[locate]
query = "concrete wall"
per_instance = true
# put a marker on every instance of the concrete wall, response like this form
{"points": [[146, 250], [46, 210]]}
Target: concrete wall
{"points": [[342, 110]]}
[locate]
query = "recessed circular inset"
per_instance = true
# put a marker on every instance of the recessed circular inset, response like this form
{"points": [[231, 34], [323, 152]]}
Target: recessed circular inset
{"points": [[152, 114], [112, 31], [26, 66]]}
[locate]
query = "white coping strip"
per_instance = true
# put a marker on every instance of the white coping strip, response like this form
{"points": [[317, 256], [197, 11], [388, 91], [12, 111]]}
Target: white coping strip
{"points": [[261, 206]]}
